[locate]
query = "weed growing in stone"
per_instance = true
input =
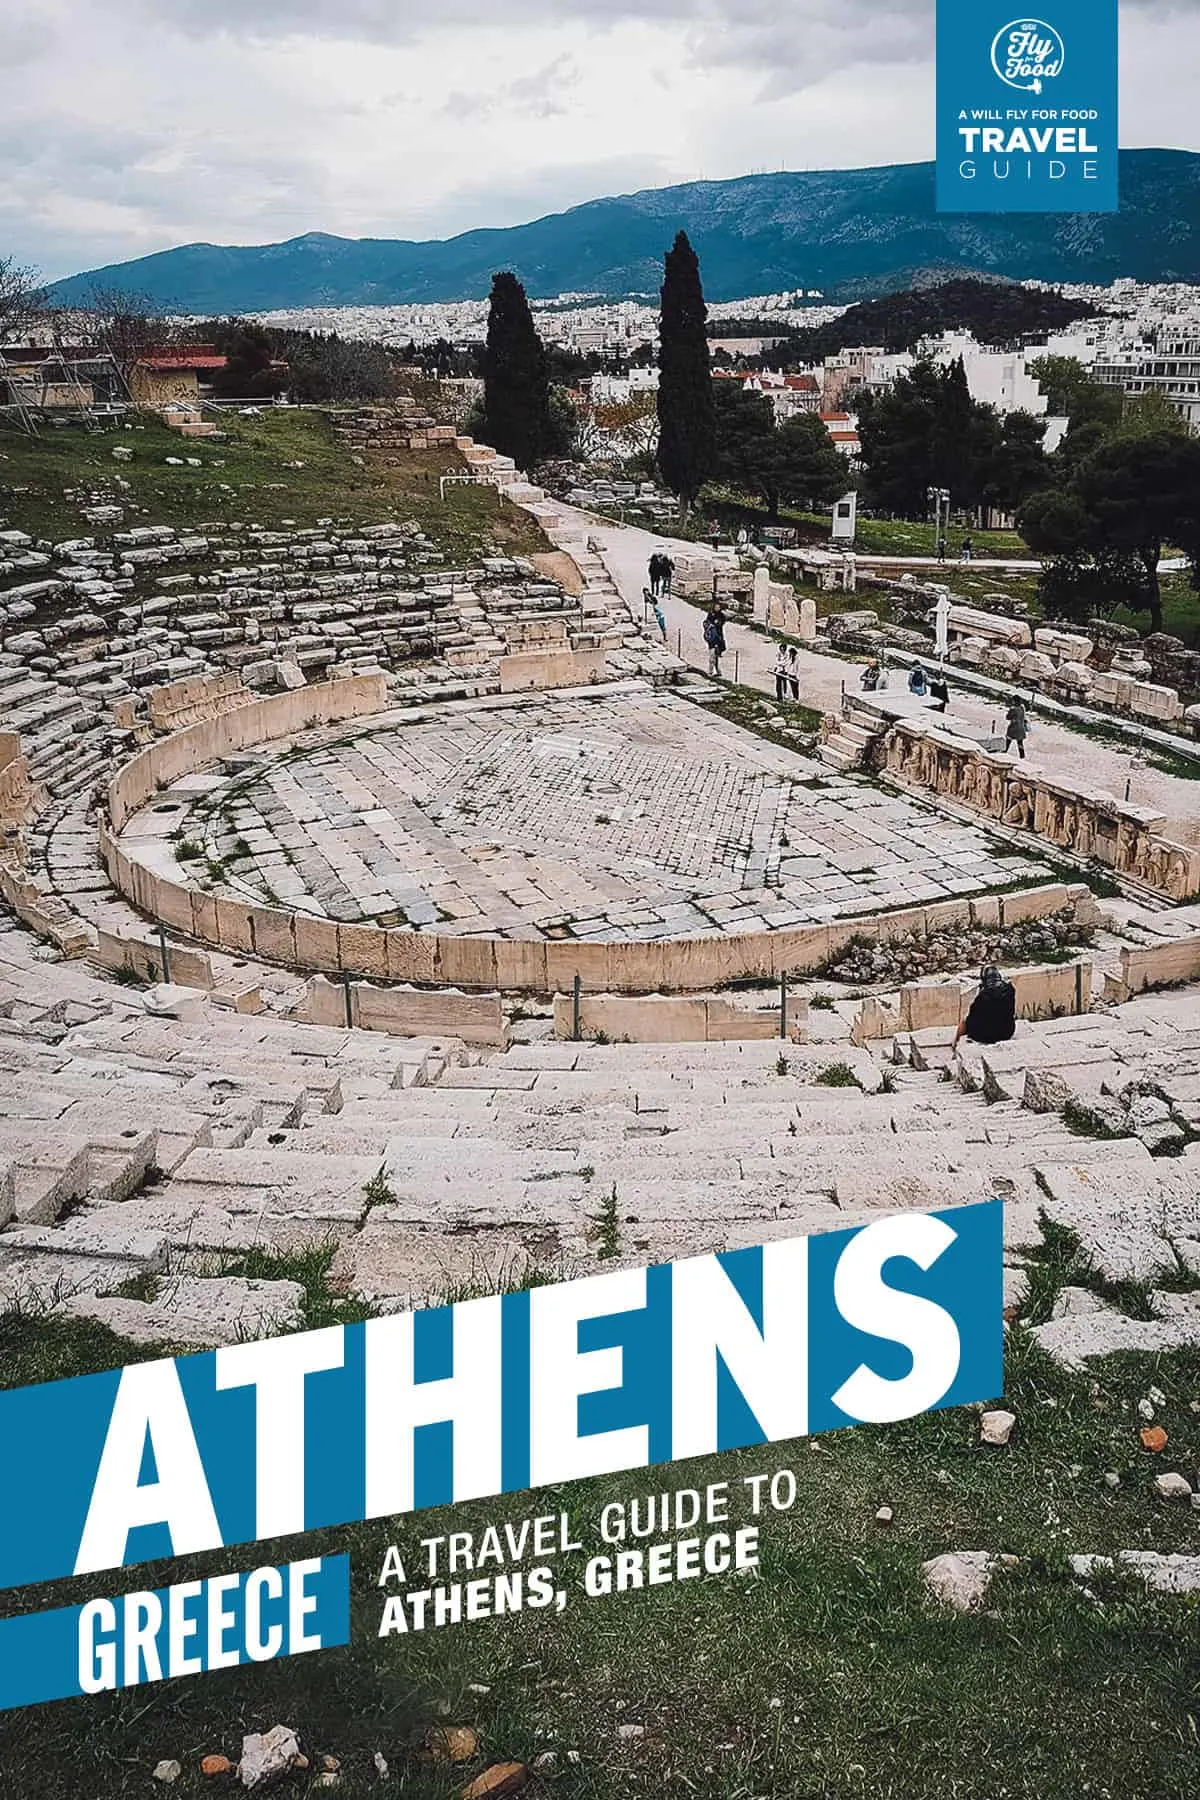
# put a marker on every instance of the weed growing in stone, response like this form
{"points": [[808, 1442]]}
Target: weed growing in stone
{"points": [[837, 1075]]}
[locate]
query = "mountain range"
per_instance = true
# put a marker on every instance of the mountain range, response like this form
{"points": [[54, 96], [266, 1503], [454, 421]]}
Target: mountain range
{"points": [[847, 232]]}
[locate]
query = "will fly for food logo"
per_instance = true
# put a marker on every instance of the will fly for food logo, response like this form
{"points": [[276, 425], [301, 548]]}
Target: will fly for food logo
{"points": [[1027, 54], [1027, 108]]}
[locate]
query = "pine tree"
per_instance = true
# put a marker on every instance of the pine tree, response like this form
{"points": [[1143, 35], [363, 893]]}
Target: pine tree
{"points": [[687, 445], [516, 385]]}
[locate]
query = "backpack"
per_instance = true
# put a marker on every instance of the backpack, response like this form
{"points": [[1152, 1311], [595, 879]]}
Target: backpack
{"points": [[712, 633]]}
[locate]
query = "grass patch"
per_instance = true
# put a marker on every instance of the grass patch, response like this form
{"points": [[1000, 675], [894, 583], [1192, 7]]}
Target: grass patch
{"points": [[249, 476], [310, 1267], [779, 722], [1060, 1262], [826, 1676], [836, 1075], [379, 1190]]}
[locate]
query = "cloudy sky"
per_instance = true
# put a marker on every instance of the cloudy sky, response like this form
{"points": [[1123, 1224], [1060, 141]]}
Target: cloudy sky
{"points": [[128, 126]]}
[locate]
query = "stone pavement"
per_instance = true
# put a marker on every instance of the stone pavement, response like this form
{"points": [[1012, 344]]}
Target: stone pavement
{"points": [[603, 815]]}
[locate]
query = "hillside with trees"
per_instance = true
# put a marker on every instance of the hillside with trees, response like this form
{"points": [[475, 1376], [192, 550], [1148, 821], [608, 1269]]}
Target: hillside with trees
{"points": [[995, 312]]}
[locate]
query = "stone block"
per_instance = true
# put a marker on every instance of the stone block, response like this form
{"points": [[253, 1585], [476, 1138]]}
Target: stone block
{"points": [[467, 962], [1066, 646], [235, 927], [1161, 965], [411, 955], [1112, 689], [521, 964], [274, 935], [192, 1311], [1151, 702], [1032, 903], [363, 950], [315, 943]]}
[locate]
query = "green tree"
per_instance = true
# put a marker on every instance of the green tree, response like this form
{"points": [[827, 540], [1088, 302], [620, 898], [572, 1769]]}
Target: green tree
{"points": [[516, 382], [896, 429], [1142, 490], [251, 369], [1017, 466], [1105, 526], [812, 472], [791, 464], [952, 451], [745, 439], [1149, 413], [1071, 392], [687, 441]]}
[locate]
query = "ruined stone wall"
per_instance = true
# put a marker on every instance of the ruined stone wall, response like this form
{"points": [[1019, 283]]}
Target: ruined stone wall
{"points": [[1094, 827], [1044, 991]]}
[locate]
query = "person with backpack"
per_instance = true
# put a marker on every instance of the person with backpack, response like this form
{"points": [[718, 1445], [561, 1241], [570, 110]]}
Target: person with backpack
{"points": [[714, 637], [918, 685]]}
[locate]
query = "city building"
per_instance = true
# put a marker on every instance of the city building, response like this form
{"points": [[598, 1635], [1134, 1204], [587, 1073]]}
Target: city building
{"points": [[171, 375], [1170, 367]]}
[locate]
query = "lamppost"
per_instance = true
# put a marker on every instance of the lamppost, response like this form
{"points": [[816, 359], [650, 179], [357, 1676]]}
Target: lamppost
{"points": [[939, 499]]}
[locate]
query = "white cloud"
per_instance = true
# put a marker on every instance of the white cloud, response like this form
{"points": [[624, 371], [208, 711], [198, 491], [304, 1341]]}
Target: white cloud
{"points": [[128, 126]]}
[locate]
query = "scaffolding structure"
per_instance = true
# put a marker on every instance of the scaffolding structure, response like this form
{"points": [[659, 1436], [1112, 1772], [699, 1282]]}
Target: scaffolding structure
{"points": [[62, 383]]}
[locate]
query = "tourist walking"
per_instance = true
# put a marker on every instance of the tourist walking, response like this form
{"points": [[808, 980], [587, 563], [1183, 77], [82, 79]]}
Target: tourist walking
{"points": [[794, 671], [992, 1018], [668, 573], [781, 673], [918, 684], [714, 637], [939, 693], [657, 572], [1016, 728], [968, 549], [941, 549], [871, 677], [660, 619]]}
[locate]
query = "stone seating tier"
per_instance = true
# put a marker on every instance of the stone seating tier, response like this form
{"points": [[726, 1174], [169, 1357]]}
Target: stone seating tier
{"points": [[150, 1148]]}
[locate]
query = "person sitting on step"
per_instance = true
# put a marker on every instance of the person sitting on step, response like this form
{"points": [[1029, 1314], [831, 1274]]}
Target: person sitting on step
{"points": [[992, 1018]]}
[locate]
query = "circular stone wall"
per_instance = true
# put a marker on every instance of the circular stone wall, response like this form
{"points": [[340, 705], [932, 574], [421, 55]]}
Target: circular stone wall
{"points": [[628, 837]]}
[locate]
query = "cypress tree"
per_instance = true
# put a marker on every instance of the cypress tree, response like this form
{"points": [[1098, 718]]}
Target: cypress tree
{"points": [[516, 384], [687, 445]]}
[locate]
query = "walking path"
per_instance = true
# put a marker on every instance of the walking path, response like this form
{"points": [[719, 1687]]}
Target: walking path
{"points": [[1065, 756]]}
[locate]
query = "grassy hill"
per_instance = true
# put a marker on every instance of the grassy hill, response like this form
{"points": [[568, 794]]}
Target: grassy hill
{"points": [[282, 467]]}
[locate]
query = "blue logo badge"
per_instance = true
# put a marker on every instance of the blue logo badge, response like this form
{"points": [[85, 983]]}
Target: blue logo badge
{"points": [[1027, 108]]}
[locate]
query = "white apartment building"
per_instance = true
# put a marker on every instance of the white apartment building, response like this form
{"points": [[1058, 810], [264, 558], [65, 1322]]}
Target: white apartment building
{"points": [[998, 378], [1170, 367], [610, 390]]}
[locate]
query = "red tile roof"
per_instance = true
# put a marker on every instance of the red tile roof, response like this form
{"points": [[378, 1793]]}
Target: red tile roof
{"points": [[201, 356]]}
